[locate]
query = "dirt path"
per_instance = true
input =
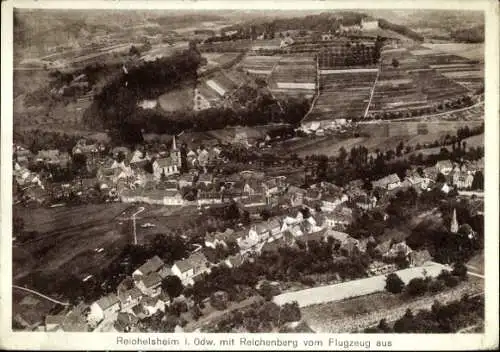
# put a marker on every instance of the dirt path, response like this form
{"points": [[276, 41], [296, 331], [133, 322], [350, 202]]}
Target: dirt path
{"points": [[40, 295]]}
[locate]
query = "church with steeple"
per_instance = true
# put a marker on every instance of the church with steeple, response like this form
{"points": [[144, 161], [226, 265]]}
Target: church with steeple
{"points": [[170, 165]]}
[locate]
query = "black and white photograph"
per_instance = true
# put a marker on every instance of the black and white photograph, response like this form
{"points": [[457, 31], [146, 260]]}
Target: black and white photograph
{"points": [[308, 171]]}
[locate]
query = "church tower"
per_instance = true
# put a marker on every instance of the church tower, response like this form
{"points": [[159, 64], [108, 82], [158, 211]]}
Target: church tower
{"points": [[454, 222], [175, 154]]}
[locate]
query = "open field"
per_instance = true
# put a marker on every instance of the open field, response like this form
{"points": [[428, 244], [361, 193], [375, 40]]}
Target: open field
{"points": [[469, 51], [181, 99], [67, 236], [330, 146]]}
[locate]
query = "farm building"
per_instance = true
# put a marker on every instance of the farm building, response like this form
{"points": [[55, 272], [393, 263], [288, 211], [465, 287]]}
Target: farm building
{"points": [[389, 182]]}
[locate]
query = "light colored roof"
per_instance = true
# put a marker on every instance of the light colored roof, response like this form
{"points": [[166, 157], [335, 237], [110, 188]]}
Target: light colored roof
{"points": [[392, 178], [195, 260], [340, 236], [108, 301], [134, 293]]}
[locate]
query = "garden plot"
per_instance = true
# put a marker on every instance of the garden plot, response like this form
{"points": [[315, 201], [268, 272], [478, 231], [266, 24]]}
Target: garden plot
{"points": [[259, 65], [344, 94], [293, 74]]}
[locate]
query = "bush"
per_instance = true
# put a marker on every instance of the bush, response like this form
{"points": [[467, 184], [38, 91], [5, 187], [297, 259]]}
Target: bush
{"points": [[437, 285], [219, 300], [417, 287], [448, 278], [460, 270], [394, 284], [290, 312]]}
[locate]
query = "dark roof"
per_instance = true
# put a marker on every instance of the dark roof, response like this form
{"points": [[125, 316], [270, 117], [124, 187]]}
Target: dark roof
{"points": [[151, 280], [153, 264]]}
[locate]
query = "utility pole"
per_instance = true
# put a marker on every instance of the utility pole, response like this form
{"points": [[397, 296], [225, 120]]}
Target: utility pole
{"points": [[141, 209]]}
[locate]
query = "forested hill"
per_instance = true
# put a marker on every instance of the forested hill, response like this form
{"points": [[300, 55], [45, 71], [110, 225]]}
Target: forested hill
{"points": [[115, 107], [117, 101], [324, 22]]}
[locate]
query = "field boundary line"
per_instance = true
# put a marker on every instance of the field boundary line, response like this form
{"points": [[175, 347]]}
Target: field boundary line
{"points": [[40, 295], [372, 91], [426, 116]]}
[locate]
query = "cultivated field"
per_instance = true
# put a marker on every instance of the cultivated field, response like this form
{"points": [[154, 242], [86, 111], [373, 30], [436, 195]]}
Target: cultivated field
{"points": [[344, 94], [358, 313]]}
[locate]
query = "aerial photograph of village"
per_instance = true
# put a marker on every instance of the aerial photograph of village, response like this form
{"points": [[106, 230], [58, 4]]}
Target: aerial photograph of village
{"points": [[248, 171]]}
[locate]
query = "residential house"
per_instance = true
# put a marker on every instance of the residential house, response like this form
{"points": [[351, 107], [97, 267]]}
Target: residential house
{"points": [[186, 180], [187, 269], [420, 257], [222, 238], [400, 249], [389, 182], [168, 185], [129, 298], [234, 261], [253, 204], [365, 202], [103, 308], [206, 179], [126, 322], [153, 264], [209, 197], [252, 187], [444, 166], [296, 195], [461, 179], [149, 285], [430, 173], [151, 305], [346, 242], [330, 202], [262, 231]]}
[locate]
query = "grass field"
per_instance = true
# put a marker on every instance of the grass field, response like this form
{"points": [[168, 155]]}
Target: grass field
{"points": [[469, 51], [179, 99], [67, 237]]}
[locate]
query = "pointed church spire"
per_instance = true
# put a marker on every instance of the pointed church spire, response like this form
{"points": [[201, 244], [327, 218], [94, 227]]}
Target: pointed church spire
{"points": [[454, 222]]}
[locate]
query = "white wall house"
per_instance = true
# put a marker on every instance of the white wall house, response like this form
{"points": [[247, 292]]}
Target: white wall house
{"points": [[103, 308]]}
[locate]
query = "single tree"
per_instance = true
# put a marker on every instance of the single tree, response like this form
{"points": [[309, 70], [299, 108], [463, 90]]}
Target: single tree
{"points": [[394, 284], [172, 285]]}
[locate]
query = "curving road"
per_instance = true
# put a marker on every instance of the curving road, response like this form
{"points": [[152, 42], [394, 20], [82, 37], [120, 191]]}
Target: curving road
{"points": [[40, 295]]}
